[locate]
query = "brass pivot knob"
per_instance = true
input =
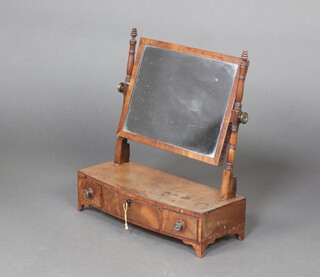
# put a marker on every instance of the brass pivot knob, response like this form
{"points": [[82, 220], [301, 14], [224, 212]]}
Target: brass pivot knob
{"points": [[243, 117], [120, 87], [178, 226], [88, 193]]}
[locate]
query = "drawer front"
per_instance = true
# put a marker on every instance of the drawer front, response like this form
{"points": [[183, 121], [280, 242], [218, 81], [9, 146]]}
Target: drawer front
{"points": [[138, 212], [89, 192], [179, 225]]}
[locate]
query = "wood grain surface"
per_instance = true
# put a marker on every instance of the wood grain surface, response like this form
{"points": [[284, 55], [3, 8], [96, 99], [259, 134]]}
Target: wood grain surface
{"points": [[158, 186]]}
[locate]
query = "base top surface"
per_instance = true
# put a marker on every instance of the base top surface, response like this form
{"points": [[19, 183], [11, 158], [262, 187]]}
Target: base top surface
{"points": [[158, 186]]}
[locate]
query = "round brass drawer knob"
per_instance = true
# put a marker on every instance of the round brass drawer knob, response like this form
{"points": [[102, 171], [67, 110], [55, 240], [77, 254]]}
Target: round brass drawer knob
{"points": [[88, 193], [120, 87], [178, 226], [243, 117]]}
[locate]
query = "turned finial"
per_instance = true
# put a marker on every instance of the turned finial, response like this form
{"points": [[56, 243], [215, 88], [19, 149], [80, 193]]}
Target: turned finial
{"points": [[244, 55], [134, 33], [244, 58]]}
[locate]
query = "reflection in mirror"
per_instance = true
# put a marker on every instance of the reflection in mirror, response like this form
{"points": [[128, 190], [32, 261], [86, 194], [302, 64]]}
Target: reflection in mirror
{"points": [[180, 99]]}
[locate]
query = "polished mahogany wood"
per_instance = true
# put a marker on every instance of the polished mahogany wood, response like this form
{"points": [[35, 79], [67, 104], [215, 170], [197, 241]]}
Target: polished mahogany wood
{"points": [[229, 181], [139, 212], [158, 200], [189, 229], [122, 153], [95, 197], [130, 62]]}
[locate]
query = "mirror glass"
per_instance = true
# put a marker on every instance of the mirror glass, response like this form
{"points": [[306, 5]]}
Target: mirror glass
{"points": [[180, 99]]}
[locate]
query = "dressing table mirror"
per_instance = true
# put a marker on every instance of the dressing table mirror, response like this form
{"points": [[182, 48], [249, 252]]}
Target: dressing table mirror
{"points": [[186, 101]]}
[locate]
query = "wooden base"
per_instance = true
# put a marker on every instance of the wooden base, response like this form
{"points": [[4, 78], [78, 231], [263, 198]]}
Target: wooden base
{"points": [[162, 202]]}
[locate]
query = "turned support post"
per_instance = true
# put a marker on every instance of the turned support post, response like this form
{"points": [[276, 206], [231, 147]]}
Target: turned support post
{"points": [[122, 147], [123, 86], [229, 181]]}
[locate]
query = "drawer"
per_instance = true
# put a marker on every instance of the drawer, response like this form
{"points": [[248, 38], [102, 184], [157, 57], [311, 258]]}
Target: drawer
{"points": [[89, 192], [138, 212], [179, 225]]}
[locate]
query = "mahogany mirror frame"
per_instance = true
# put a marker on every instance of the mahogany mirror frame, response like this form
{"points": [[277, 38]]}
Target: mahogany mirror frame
{"points": [[223, 138]]}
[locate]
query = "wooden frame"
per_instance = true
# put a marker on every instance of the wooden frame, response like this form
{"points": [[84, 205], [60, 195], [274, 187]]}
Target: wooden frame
{"points": [[216, 159]]}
